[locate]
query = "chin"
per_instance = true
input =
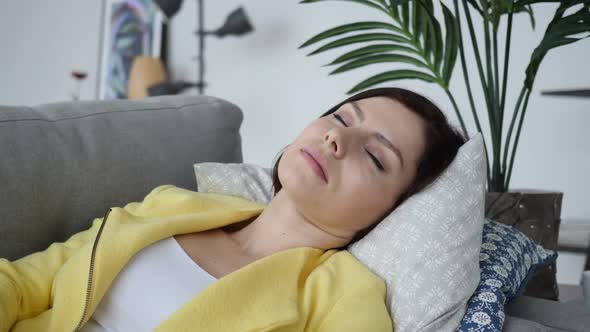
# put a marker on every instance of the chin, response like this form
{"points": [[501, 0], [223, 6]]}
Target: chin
{"points": [[298, 182]]}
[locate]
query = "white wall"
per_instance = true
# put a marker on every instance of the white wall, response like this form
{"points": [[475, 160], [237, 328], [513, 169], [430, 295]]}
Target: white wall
{"points": [[280, 89], [41, 43]]}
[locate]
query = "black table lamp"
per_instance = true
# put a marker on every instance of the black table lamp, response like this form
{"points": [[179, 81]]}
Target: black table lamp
{"points": [[236, 24], [169, 7]]}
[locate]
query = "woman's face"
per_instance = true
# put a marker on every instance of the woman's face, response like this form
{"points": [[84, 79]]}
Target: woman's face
{"points": [[357, 192]]}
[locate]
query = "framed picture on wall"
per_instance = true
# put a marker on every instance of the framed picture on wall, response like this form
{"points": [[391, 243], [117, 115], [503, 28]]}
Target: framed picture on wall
{"points": [[128, 28]]}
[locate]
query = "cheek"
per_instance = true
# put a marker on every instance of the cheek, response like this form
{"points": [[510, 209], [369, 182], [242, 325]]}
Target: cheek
{"points": [[292, 171], [380, 194], [363, 190], [313, 131], [284, 167]]}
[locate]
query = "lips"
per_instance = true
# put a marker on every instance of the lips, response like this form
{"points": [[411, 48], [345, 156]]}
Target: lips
{"points": [[319, 160]]}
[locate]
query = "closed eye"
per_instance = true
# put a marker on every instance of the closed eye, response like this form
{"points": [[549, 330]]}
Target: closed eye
{"points": [[337, 116], [375, 160]]}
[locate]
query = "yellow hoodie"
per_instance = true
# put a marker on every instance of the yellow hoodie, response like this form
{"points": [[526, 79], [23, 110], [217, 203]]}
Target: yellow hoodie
{"points": [[299, 289]]}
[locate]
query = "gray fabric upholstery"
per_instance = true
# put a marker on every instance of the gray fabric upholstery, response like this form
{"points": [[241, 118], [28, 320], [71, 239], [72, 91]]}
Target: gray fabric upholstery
{"points": [[515, 324], [568, 316], [64, 164]]}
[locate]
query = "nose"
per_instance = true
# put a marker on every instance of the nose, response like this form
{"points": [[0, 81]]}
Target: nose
{"points": [[334, 142], [339, 140]]}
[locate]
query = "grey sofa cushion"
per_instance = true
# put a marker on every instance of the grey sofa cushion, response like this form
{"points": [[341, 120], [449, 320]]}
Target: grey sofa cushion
{"points": [[566, 316], [515, 324], [64, 164]]}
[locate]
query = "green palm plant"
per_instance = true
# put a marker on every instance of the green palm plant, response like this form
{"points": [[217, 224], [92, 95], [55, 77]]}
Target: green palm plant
{"points": [[412, 35]]}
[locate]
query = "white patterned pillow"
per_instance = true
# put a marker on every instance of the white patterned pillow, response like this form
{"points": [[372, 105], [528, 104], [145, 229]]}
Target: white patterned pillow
{"points": [[426, 250], [250, 181]]}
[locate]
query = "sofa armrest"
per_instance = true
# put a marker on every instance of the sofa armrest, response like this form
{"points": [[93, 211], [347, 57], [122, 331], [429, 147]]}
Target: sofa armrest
{"points": [[570, 316], [516, 324]]}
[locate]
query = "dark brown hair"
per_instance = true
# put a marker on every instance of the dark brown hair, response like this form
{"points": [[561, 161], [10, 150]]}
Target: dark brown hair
{"points": [[442, 143]]}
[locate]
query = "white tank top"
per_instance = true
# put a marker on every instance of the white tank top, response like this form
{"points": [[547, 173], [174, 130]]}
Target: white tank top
{"points": [[155, 283]]}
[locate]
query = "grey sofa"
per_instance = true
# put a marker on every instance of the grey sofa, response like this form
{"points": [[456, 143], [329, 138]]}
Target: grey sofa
{"points": [[64, 164]]}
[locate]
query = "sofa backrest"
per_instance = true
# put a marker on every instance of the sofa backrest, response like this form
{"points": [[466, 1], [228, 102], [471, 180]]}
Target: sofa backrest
{"points": [[64, 164]]}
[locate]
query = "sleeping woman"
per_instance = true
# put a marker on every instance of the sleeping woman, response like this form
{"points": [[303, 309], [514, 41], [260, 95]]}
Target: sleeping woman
{"points": [[187, 261]]}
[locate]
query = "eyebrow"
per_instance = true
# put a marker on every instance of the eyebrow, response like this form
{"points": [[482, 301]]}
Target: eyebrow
{"points": [[361, 115]]}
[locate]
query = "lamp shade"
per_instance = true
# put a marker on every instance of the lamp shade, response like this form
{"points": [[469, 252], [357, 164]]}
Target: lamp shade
{"points": [[145, 71], [169, 7], [237, 23]]}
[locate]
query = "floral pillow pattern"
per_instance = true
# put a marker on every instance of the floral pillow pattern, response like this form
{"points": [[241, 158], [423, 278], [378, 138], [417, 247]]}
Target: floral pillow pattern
{"points": [[507, 260]]}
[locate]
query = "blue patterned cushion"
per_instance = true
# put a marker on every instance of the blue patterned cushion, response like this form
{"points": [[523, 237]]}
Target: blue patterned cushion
{"points": [[507, 261]]}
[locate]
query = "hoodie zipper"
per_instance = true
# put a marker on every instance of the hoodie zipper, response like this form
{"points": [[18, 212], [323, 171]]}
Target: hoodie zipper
{"points": [[90, 274]]}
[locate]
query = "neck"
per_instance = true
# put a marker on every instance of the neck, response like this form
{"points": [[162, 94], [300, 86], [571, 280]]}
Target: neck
{"points": [[282, 226]]}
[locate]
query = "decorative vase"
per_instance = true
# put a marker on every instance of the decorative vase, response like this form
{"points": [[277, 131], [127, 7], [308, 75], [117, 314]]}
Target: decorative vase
{"points": [[536, 213], [145, 71]]}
